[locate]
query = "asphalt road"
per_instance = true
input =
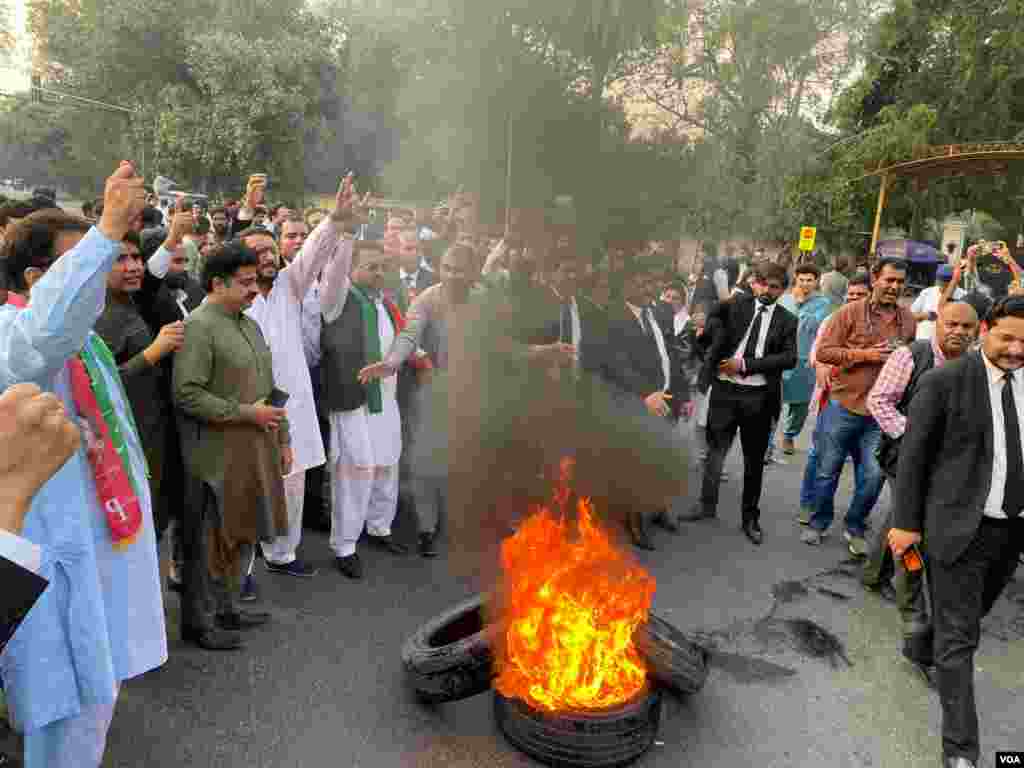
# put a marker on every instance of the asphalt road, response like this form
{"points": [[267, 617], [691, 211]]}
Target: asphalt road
{"points": [[322, 686]]}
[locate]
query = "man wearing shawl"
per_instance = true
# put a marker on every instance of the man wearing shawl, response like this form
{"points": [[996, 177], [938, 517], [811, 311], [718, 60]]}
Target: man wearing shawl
{"points": [[366, 429], [101, 620]]}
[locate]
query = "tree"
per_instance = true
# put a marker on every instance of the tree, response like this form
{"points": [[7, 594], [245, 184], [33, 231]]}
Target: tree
{"points": [[748, 82]]}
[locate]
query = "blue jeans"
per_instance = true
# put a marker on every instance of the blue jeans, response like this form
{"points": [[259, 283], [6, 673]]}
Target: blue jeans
{"points": [[841, 433]]}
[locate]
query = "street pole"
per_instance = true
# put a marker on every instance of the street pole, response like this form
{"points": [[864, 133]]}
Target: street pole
{"points": [[508, 173], [878, 212]]}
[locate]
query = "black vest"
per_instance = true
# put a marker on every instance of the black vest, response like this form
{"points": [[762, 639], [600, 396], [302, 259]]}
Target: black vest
{"points": [[342, 356], [888, 451]]}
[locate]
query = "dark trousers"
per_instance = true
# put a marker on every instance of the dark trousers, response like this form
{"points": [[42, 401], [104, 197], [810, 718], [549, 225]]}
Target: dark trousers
{"points": [[962, 593], [880, 567], [205, 596], [749, 410]]}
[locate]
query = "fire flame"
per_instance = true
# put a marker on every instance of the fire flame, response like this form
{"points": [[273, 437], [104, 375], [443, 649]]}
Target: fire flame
{"points": [[571, 604]]}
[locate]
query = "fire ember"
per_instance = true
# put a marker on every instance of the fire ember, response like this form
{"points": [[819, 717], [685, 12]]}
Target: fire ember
{"points": [[572, 600]]}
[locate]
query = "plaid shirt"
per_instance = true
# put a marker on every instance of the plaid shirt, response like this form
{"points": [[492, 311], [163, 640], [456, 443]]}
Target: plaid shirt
{"points": [[888, 390]]}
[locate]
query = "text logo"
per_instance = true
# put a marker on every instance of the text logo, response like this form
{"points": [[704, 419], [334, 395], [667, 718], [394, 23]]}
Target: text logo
{"points": [[1010, 758]]}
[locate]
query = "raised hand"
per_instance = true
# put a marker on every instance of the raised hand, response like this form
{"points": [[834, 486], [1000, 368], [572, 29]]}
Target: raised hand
{"points": [[345, 202], [254, 189], [124, 197]]}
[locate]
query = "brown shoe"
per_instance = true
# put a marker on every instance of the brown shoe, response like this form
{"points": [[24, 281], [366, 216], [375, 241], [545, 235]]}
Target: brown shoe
{"points": [[787, 446]]}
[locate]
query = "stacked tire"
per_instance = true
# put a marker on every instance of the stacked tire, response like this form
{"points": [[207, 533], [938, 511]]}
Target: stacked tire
{"points": [[451, 657]]}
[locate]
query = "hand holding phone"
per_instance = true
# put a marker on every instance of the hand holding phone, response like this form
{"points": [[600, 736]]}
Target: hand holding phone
{"points": [[278, 398]]}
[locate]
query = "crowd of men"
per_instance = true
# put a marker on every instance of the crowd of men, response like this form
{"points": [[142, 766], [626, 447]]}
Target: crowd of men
{"points": [[237, 370]]}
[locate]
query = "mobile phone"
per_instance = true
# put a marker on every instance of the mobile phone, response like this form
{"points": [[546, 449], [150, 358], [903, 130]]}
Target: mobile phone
{"points": [[278, 398]]}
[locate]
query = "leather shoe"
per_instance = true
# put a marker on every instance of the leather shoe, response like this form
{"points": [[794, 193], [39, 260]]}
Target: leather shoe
{"points": [[665, 520], [388, 544], [638, 531], [351, 567], [427, 546], [698, 512], [752, 530], [242, 620], [212, 639], [958, 762]]}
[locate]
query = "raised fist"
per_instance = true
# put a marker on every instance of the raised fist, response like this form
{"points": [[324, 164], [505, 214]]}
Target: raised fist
{"points": [[124, 197]]}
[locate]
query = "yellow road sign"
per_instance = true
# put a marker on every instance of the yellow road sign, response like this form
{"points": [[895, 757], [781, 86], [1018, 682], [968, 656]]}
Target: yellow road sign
{"points": [[807, 236]]}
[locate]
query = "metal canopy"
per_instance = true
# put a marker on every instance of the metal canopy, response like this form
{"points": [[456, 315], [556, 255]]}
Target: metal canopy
{"points": [[949, 160]]}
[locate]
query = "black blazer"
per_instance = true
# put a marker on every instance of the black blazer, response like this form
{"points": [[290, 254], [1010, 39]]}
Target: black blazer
{"points": [[681, 351], [945, 467], [726, 325], [629, 359], [22, 589]]}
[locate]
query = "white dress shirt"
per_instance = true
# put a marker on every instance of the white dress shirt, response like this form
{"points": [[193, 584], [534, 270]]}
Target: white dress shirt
{"points": [[756, 379], [653, 326], [409, 279], [679, 320], [994, 504]]}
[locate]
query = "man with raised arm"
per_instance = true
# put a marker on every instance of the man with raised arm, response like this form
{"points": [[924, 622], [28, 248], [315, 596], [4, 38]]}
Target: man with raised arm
{"points": [[101, 620]]}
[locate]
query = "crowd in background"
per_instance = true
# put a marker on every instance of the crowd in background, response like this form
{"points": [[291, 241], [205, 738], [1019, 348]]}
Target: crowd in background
{"points": [[239, 370]]}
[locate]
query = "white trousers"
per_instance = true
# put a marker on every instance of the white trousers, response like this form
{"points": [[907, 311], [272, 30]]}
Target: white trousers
{"points": [[74, 742], [362, 497], [281, 550]]}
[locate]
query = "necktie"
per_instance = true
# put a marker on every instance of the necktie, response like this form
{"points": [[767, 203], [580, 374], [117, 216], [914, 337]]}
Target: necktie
{"points": [[755, 333], [645, 321], [1013, 495], [565, 324]]}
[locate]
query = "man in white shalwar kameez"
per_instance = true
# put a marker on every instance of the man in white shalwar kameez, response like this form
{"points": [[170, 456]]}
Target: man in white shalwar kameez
{"points": [[366, 429], [278, 311]]}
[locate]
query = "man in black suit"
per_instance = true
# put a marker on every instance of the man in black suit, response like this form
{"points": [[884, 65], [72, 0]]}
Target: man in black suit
{"points": [[634, 360], [960, 493], [680, 338], [574, 318], [413, 275], [749, 342]]}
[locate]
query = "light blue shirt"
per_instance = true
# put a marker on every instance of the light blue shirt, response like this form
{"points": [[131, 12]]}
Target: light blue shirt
{"points": [[101, 619], [798, 382]]}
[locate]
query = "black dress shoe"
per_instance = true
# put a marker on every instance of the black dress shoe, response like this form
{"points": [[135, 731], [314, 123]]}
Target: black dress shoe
{"points": [[351, 567], [242, 620], [639, 533], [388, 544], [212, 639], [427, 548], [666, 521], [698, 512], [752, 530]]}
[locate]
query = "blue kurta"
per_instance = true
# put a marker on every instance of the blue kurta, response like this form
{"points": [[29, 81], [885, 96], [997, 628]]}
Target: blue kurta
{"points": [[101, 619], [798, 383]]}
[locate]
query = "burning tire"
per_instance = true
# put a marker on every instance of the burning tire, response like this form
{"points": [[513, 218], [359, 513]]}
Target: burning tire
{"points": [[597, 739], [673, 659], [450, 657]]}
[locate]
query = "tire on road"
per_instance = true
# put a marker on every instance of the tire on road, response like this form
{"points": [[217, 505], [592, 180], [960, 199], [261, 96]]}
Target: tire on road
{"points": [[450, 657], [673, 660], [598, 739]]}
